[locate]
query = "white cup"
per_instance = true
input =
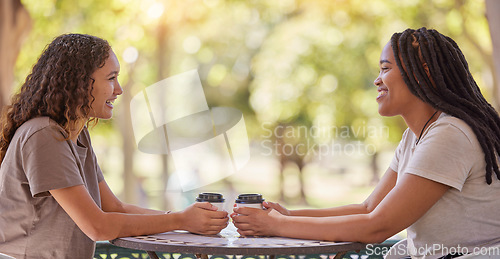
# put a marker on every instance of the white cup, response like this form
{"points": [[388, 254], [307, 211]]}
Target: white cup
{"points": [[253, 205], [252, 200], [215, 199]]}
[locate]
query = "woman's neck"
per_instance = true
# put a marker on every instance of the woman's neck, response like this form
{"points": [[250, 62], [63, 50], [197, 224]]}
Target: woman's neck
{"points": [[77, 128], [420, 118]]}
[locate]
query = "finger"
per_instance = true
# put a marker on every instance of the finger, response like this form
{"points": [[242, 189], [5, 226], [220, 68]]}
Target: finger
{"points": [[217, 222], [240, 219], [214, 228], [243, 226], [273, 205], [223, 226], [237, 210], [246, 210], [219, 228], [208, 232], [219, 214], [207, 228]]}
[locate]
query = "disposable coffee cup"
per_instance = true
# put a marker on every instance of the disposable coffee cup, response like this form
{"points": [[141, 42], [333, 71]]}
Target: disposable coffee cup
{"points": [[215, 199], [252, 200]]}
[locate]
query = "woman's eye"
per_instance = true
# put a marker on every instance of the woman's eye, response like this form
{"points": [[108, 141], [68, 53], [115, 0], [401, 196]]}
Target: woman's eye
{"points": [[112, 78]]}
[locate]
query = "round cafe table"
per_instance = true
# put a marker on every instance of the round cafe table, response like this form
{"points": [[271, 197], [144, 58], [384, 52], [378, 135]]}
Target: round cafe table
{"points": [[223, 244]]}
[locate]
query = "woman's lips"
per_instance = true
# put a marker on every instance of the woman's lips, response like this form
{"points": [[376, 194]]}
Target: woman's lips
{"points": [[110, 102], [382, 92]]}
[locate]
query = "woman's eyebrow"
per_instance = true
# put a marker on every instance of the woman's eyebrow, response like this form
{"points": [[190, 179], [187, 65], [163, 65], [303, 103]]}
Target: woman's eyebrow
{"points": [[113, 73], [385, 61]]}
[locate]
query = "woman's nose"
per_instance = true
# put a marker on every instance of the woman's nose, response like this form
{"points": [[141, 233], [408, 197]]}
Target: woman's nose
{"points": [[118, 90], [377, 81]]}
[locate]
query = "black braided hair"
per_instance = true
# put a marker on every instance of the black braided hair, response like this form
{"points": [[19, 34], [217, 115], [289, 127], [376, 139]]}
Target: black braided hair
{"points": [[450, 86]]}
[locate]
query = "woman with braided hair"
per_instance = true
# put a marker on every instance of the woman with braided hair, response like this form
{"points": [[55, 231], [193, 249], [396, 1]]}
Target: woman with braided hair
{"points": [[54, 201], [442, 184]]}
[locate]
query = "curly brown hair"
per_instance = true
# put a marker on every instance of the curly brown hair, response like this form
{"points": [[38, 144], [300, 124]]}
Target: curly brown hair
{"points": [[59, 85]]}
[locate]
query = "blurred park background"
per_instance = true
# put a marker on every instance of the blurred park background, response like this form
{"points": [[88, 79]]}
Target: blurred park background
{"points": [[301, 72]]}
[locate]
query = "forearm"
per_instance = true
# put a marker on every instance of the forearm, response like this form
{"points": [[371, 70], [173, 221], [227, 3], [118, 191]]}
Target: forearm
{"points": [[117, 224], [354, 228], [133, 209], [336, 211]]}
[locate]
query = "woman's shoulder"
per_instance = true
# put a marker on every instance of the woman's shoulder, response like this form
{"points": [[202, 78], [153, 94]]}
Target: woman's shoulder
{"points": [[455, 126], [445, 118], [39, 125]]}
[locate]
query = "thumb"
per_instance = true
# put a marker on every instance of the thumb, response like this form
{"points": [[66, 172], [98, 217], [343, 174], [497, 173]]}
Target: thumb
{"points": [[205, 205], [267, 205]]}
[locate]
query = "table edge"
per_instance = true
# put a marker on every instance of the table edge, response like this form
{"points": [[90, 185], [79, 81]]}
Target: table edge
{"points": [[179, 248]]}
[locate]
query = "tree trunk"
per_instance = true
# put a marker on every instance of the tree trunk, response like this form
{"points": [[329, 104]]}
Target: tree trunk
{"points": [[131, 188], [493, 16], [162, 69], [15, 23]]}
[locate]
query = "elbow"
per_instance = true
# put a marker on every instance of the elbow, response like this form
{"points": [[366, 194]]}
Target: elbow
{"points": [[98, 234], [379, 229], [367, 206], [101, 231], [94, 237]]}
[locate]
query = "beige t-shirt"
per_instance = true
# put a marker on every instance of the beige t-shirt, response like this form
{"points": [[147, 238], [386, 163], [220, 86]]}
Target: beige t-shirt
{"points": [[32, 224], [466, 217]]}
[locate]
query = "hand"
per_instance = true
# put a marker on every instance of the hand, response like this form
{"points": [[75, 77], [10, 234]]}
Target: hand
{"points": [[256, 222], [276, 206], [203, 218]]}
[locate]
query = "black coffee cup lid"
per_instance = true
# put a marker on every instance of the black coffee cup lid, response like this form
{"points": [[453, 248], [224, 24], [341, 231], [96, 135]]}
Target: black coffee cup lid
{"points": [[250, 198], [210, 197]]}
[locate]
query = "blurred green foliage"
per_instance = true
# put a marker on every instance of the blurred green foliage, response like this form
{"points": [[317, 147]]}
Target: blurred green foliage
{"points": [[311, 62], [297, 62]]}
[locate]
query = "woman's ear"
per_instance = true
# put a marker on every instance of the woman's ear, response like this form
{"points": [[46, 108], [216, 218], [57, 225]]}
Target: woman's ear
{"points": [[427, 71], [426, 68]]}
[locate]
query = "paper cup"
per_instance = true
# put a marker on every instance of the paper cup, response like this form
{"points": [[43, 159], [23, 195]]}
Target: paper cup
{"points": [[251, 200], [215, 199]]}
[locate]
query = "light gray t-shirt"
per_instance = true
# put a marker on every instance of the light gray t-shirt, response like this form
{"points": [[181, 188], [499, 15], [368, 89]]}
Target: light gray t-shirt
{"points": [[32, 224], [467, 214]]}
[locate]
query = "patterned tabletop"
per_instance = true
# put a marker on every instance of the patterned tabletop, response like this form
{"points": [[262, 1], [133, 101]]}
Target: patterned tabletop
{"points": [[228, 242]]}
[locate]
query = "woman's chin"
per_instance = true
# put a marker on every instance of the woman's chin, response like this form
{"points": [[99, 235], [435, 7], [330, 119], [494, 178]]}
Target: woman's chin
{"points": [[381, 110], [102, 116], [385, 112]]}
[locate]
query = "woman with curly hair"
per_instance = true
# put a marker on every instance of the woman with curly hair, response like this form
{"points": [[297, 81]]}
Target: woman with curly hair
{"points": [[443, 182], [54, 201]]}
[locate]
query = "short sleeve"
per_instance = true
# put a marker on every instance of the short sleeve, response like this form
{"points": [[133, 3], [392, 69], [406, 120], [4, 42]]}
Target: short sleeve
{"points": [[49, 163], [399, 150], [100, 176], [85, 139], [445, 155]]}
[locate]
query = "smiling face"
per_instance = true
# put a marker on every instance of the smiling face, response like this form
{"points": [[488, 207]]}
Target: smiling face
{"points": [[394, 97], [106, 88]]}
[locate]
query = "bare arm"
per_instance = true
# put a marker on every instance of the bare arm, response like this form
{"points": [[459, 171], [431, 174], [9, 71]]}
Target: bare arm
{"points": [[402, 206], [100, 225], [110, 203], [385, 185]]}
